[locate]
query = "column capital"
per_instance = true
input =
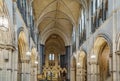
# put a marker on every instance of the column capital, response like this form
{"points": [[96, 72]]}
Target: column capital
{"points": [[93, 62], [114, 71], [25, 61], [117, 52], [7, 46], [14, 0]]}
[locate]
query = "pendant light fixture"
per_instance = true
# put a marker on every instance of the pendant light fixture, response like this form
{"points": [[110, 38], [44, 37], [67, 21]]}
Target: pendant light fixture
{"points": [[3, 18]]}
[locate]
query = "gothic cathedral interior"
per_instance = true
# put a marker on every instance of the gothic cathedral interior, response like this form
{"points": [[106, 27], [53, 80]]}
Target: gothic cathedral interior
{"points": [[59, 40]]}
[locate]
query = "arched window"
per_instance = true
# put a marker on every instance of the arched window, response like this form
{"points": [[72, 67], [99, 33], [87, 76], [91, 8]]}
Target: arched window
{"points": [[82, 28], [99, 3], [94, 6], [74, 39], [51, 57], [99, 10], [23, 8]]}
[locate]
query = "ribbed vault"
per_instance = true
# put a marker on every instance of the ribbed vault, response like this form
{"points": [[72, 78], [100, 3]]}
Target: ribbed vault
{"points": [[55, 44], [57, 14]]}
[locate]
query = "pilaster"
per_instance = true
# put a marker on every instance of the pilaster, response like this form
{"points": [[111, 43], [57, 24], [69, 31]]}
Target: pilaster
{"points": [[94, 71]]}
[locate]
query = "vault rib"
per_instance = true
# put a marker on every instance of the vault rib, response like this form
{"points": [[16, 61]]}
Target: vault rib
{"points": [[49, 23], [45, 9], [57, 18], [72, 21], [68, 8], [56, 12]]}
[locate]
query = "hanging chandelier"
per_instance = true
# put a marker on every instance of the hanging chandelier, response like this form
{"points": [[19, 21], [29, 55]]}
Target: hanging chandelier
{"points": [[3, 18]]}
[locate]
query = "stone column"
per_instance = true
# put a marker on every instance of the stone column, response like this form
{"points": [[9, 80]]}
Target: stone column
{"points": [[88, 71], [68, 62], [118, 64], [47, 60], [34, 73], [78, 74], [25, 74], [72, 75], [56, 59], [14, 56], [6, 63], [94, 71], [42, 58], [110, 65], [81, 73], [14, 65], [114, 28]]}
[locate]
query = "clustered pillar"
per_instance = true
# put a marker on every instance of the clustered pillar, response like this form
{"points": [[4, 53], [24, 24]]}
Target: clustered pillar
{"points": [[25, 73], [68, 62], [33, 73], [118, 65], [72, 74], [8, 66], [94, 74], [42, 58], [81, 74]]}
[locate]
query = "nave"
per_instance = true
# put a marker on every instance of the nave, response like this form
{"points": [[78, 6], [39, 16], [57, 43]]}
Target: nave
{"points": [[59, 40]]}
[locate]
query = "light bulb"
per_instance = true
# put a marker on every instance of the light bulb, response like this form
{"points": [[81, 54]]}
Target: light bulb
{"points": [[36, 62], [78, 64], [28, 53], [93, 56]]}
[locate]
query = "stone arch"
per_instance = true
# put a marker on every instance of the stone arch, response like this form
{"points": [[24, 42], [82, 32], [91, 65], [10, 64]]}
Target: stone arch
{"points": [[22, 49], [19, 30], [55, 31], [101, 51], [22, 45], [108, 40], [82, 66], [99, 42]]}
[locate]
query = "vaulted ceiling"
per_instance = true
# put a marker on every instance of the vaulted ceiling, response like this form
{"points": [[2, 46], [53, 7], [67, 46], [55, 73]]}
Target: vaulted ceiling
{"points": [[57, 17], [55, 44]]}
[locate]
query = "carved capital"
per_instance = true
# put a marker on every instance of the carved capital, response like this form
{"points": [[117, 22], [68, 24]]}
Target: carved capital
{"points": [[93, 62], [7, 46], [25, 61], [117, 52]]}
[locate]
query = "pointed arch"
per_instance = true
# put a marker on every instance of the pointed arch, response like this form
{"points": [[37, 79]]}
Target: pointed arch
{"points": [[102, 50], [22, 45]]}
